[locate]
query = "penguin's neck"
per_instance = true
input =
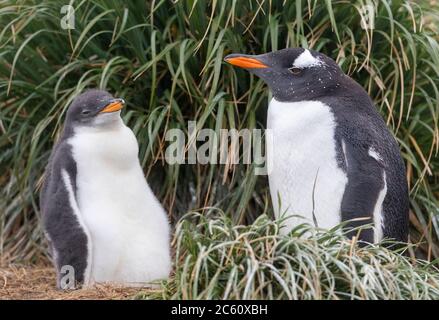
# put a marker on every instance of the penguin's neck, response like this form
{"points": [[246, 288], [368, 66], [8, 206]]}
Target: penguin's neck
{"points": [[103, 124], [298, 115], [111, 145]]}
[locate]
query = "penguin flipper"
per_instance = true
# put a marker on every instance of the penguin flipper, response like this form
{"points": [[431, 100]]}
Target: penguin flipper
{"points": [[365, 182], [67, 235]]}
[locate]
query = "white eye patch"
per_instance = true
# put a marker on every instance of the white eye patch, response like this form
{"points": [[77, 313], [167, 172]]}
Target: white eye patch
{"points": [[306, 59]]}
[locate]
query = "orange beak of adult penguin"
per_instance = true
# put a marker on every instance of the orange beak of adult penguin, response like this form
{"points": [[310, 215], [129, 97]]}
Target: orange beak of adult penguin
{"points": [[113, 106], [244, 61]]}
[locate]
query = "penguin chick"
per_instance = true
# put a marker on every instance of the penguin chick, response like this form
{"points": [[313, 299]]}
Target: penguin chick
{"points": [[333, 157], [99, 214]]}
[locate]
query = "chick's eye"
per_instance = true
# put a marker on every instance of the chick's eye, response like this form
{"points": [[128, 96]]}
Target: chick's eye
{"points": [[295, 70], [85, 112]]}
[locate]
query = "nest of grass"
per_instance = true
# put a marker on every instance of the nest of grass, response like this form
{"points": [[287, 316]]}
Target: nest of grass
{"points": [[217, 259], [37, 282]]}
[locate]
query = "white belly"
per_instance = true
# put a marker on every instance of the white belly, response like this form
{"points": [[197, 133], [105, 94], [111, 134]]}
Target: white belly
{"points": [[128, 227], [303, 152]]}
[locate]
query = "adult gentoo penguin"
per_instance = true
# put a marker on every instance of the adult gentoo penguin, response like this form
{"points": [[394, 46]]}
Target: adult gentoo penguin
{"points": [[333, 158], [98, 211]]}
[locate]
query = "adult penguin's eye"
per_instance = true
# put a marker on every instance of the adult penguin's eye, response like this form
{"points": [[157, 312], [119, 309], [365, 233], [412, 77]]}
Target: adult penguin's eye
{"points": [[295, 70]]}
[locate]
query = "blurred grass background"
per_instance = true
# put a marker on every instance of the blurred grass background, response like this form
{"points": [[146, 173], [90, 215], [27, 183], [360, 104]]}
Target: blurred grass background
{"points": [[165, 58]]}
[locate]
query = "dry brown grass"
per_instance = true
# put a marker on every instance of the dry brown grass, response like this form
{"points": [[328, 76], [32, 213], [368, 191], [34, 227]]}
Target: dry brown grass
{"points": [[18, 282]]}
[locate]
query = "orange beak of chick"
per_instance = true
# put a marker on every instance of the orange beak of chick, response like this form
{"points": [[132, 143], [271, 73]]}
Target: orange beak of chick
{"points": [[113, 106]]}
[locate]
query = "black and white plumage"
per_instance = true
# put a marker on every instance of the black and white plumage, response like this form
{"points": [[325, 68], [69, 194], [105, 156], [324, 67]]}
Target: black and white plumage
{"points": [[98, 212], [327, 131]]}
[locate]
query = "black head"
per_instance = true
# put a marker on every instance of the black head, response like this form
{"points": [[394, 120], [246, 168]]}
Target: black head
{"points": [[94, 108], [293, 74]]}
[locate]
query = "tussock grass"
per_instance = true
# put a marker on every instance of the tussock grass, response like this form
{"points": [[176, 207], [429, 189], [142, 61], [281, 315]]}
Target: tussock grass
{"points": [[165, 59], [216, 259]]}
